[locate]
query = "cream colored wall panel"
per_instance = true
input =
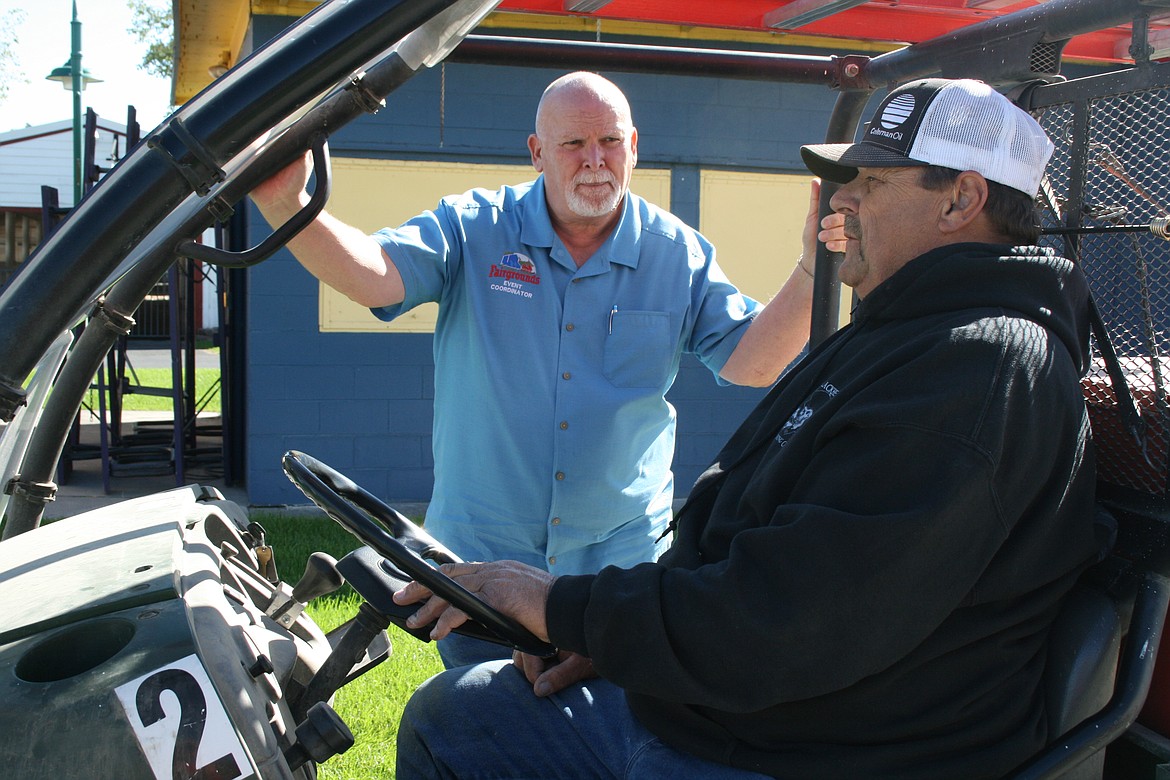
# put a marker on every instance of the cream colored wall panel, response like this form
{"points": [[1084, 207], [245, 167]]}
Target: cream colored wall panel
{"points": [[372, 194], [755, 221]]}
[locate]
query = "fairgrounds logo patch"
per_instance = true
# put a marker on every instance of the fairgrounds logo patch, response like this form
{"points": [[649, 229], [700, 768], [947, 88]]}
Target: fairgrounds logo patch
{"points": [[513, 273]]}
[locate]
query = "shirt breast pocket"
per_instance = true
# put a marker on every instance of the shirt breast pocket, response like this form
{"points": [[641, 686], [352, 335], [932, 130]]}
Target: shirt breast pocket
{"points": [[638, 351]]}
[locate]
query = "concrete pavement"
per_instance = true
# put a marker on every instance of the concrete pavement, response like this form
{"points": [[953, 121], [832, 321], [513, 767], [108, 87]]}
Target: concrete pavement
{"points": [[86, 488]]}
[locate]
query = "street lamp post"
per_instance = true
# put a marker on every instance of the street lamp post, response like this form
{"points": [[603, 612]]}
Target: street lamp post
{"points": [[75, 84], [73, 78]]}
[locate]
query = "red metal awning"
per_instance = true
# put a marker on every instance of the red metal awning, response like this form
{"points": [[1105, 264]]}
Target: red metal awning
{"points": [[906, 21]]}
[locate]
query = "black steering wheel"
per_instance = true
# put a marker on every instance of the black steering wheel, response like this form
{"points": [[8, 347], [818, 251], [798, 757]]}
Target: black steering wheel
{"points": [[406, 545]]}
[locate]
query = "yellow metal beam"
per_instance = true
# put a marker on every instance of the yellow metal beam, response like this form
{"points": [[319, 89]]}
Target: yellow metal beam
{"points": [[676, 34], [210, 34]]}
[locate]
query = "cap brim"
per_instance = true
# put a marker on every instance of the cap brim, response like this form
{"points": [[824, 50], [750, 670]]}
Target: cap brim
{"points": [[839, 162]]}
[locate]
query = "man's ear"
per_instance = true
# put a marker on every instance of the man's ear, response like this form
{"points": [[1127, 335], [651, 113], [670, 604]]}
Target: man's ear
{"points": [[534, 150], [968, 197]]}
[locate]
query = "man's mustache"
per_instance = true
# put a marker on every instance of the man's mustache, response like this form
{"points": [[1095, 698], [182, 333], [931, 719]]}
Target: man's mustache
{"points": [[852, 226], [600, 177]]}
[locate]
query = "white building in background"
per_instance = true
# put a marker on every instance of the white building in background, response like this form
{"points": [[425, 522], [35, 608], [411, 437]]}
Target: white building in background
{"points": [[42, 156], [32, 158]]}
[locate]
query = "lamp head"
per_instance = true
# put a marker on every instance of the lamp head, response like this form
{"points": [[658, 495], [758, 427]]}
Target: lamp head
{"points": [[64, 75]]}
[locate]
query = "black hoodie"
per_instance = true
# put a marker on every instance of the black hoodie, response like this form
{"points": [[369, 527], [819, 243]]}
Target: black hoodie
{"points": [[863, 582]]}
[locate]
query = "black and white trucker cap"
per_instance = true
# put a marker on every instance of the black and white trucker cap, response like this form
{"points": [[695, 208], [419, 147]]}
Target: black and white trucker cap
{"points": [[961, 124]]}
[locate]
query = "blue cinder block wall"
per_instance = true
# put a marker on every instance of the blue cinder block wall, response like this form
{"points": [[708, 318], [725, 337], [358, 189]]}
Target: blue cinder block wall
{"points": [[362, 402]]}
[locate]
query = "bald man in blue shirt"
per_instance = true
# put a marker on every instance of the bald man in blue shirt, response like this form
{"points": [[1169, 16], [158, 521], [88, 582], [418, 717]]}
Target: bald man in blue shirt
{"points": [[565, 305]]}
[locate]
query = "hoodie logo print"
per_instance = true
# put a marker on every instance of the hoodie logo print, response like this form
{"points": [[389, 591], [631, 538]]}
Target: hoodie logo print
{"points": [[806, 410]]}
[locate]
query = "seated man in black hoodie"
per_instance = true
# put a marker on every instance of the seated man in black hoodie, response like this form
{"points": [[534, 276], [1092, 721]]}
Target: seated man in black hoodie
{"points": [[863, 583]]}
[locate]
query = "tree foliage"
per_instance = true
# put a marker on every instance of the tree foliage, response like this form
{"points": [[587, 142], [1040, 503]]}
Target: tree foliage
{"points": [[152, 25], [10, 70]]}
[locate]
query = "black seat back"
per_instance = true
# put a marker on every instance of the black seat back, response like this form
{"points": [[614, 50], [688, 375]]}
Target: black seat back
{"points": [[1082, 664]]}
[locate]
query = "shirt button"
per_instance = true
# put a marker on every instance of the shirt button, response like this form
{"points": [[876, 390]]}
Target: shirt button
{"points": [[564, 425], [556, 521], [566, 375], [560, 475], [569, 326], [552, 561]]}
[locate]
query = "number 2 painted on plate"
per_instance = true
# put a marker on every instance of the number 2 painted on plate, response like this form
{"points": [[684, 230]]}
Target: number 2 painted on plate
{"points": [[192, 719]]}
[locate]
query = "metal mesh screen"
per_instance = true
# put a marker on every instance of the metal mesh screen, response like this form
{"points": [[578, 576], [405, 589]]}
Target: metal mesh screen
{"points": [[1108, 178], [1045, 58]]}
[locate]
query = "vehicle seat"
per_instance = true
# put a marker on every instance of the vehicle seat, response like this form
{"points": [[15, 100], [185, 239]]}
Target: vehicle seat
{"points": [[1090, 704], [1082, 664]]}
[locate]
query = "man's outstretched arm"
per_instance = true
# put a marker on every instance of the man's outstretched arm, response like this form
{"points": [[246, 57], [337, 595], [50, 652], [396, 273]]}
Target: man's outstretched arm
{"points": [[338, 254], [781, 329]]}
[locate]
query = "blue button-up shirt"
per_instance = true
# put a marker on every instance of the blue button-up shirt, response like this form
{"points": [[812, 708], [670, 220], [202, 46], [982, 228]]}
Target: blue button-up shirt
{"points": [[553, 438]]}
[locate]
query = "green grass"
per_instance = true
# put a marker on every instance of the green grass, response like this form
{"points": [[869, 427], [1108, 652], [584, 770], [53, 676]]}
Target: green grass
{"points": [[371, 705], [205, 379]]}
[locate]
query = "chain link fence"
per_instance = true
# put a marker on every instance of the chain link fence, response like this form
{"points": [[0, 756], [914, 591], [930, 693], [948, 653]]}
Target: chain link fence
{"points": [[1107, 186]]}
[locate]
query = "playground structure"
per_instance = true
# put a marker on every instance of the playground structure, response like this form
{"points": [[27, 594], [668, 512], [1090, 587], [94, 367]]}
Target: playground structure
{"points": [[200, 616]]}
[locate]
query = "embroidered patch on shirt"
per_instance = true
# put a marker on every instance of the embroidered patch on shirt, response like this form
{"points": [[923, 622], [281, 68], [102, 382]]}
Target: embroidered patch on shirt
{"points": [[815, 400], [514, 271]]}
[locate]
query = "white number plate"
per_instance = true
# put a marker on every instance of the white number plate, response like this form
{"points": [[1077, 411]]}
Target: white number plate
{"points": [[182, 726]]}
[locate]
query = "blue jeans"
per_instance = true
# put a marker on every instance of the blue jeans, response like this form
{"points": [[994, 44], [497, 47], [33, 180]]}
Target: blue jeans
{"points": [[458, 650], [484, 722]]}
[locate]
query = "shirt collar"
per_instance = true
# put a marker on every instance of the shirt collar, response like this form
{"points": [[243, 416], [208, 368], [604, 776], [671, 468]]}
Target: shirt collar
{"points": [[621, 246]]}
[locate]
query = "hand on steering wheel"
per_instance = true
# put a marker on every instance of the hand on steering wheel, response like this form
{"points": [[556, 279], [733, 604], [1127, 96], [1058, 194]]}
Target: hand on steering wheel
{"points": [[367, 518]]}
